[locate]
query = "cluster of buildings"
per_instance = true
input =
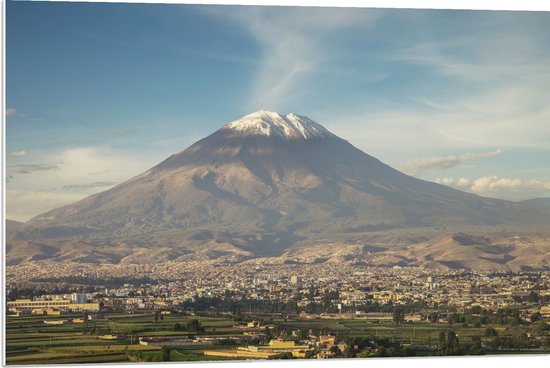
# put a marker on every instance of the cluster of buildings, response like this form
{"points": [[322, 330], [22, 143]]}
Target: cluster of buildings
{"points": [[52, 305], [327, 285], [315, 346]]}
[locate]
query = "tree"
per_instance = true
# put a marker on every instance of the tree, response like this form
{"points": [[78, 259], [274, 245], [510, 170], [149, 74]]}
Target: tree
{"points": [[543, 327], [165, 354], [536, 317], [491, 332], [135, 356], [285, 356], [279, 331], [284, 334], [398, 316], [348, 352], [178, 326], [533, 297], [448, 343], [235, 309], [303, 334], [194, 326], [476, 342], [442, 339], [268, 334], [452, 340], [476, 309], [156, 316], [336, 351], [382, 351]]}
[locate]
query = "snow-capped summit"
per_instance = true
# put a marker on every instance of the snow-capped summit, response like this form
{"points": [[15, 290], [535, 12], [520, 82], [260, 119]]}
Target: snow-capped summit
{"points": [[268, 123]]}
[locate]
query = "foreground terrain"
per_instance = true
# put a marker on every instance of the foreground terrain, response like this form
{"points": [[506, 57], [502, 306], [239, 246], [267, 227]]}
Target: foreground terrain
{"points": [[30, 341], [261, 309]]}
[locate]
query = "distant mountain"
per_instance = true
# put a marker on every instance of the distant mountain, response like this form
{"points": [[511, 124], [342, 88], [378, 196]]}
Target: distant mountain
{"points": [[545, 202], [12, 224], [260, 186], [479, 252]]}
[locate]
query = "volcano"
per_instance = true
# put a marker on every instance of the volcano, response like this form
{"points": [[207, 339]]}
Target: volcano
{"points": [[260, 186]]}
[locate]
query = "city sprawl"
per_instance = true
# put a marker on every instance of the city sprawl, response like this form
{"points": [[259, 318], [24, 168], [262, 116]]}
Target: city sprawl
{"points": [[264, 309]]}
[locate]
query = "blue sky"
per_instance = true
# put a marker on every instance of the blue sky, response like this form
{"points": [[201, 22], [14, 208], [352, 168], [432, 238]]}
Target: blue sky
{"points": [[98, 93]]}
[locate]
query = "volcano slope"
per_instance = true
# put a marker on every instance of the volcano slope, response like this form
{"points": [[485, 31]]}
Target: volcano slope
{"points": [[266, 185]]}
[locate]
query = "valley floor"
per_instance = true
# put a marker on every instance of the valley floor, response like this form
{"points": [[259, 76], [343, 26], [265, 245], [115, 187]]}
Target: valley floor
{"points": [[115, 337]]}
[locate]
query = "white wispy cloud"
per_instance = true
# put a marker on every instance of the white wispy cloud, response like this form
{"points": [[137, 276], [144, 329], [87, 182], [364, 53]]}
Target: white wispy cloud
{"points": [[498, 187], [68, 176], [292, 43], [17, 153], [487, 87], [10, 112], [422, 165], [22, 205], [513, 116], [29, 168], [95, 184]]}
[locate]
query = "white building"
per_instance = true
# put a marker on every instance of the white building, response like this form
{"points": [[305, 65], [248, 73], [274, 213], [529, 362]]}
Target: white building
{"points": [[78, 298]]}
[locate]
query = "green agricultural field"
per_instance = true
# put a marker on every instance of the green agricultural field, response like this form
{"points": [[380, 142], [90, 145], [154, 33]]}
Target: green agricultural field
{"points": [[316, 325], [422, 333], [30, 341]]}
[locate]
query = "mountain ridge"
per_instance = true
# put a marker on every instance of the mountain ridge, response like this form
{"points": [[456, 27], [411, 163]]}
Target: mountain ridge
{"points": [[545, 202]]}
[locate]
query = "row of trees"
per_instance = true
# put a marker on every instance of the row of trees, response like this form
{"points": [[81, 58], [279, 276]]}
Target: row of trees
{"points": [[138, 356], [192, 326], [476, 317], [30, 293]]}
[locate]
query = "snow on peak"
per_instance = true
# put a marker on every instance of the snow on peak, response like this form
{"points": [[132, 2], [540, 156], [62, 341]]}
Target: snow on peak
{"points": [[268, 123]]}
